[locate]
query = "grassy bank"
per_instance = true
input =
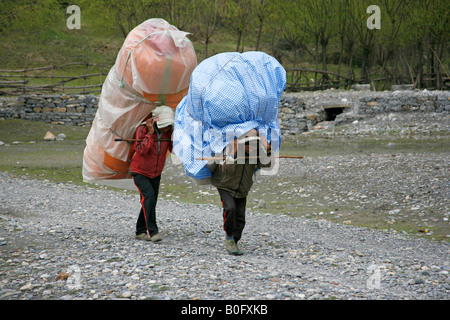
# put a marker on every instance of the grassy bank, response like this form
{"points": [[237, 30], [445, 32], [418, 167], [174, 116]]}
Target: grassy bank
{"points": [[25, 152]]}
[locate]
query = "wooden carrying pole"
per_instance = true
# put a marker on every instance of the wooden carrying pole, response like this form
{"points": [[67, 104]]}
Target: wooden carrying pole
{"points": [[251, 157], [134, 140]]}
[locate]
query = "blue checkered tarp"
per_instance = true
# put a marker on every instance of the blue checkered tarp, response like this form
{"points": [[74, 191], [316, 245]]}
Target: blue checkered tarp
{"points": [[229, 94]]}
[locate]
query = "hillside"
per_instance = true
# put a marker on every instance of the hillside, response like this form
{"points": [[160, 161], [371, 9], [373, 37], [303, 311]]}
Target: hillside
{"points": [[410, 44]]}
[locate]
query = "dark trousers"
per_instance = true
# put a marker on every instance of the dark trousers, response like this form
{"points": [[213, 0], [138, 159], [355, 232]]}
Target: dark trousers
{"points": [[148, 189], [233, 214]]}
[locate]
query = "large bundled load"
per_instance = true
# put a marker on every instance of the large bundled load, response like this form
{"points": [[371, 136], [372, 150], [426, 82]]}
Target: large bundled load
{"points": [[152, 68], [229, 94]]}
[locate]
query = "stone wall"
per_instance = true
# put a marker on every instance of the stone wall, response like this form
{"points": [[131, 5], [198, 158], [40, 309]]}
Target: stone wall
{"points": [[298, 112], [58, 109]]}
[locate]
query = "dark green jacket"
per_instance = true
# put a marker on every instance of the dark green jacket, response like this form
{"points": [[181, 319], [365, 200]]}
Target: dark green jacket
{"points": [[234, 178]]}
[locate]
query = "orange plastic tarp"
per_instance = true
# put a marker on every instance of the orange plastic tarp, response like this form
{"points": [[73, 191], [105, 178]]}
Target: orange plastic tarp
{"points": [[152, 68]]}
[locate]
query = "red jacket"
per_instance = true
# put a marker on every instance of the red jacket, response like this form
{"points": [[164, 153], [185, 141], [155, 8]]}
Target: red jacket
{"points": [[149, 155]]}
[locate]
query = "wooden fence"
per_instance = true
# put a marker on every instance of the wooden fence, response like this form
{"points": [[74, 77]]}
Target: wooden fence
{"points": [[73, 78], [87, 78], [302, 79]]}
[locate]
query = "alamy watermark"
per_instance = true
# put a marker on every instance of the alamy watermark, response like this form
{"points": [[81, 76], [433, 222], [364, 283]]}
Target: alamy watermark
{"points": [[74, 21], [374, 21], [74, 281], [374, 280]]}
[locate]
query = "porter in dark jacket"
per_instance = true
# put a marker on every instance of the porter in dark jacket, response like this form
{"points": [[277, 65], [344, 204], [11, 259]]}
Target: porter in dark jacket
{"points": [[234, 178]]}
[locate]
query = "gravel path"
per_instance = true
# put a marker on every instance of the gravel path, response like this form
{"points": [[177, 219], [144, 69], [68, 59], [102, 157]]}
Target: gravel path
{"points": [[49, 231], [63, 241]]}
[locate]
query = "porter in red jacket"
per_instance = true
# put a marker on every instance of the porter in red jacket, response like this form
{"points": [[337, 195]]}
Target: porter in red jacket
{"points": [[146, 166], [150, 154]]}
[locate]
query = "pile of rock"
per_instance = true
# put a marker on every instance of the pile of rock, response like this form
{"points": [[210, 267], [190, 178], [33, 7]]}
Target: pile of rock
{"points": [[49, 136]]}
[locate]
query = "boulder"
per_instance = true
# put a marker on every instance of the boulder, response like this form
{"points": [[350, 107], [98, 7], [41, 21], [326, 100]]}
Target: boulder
{"points": [[49, 136]]}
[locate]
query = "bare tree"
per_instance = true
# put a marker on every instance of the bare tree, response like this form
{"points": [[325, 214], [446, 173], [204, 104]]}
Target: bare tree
{"points": [[208, 20], [238, 15], [320, 23], [365, 37], [128, 14], [261, 11], [180, 13]]}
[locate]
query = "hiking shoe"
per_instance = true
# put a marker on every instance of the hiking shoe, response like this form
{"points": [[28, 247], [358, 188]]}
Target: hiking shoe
{"points": [[143, 236], [232, 248], [157, 237]]}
